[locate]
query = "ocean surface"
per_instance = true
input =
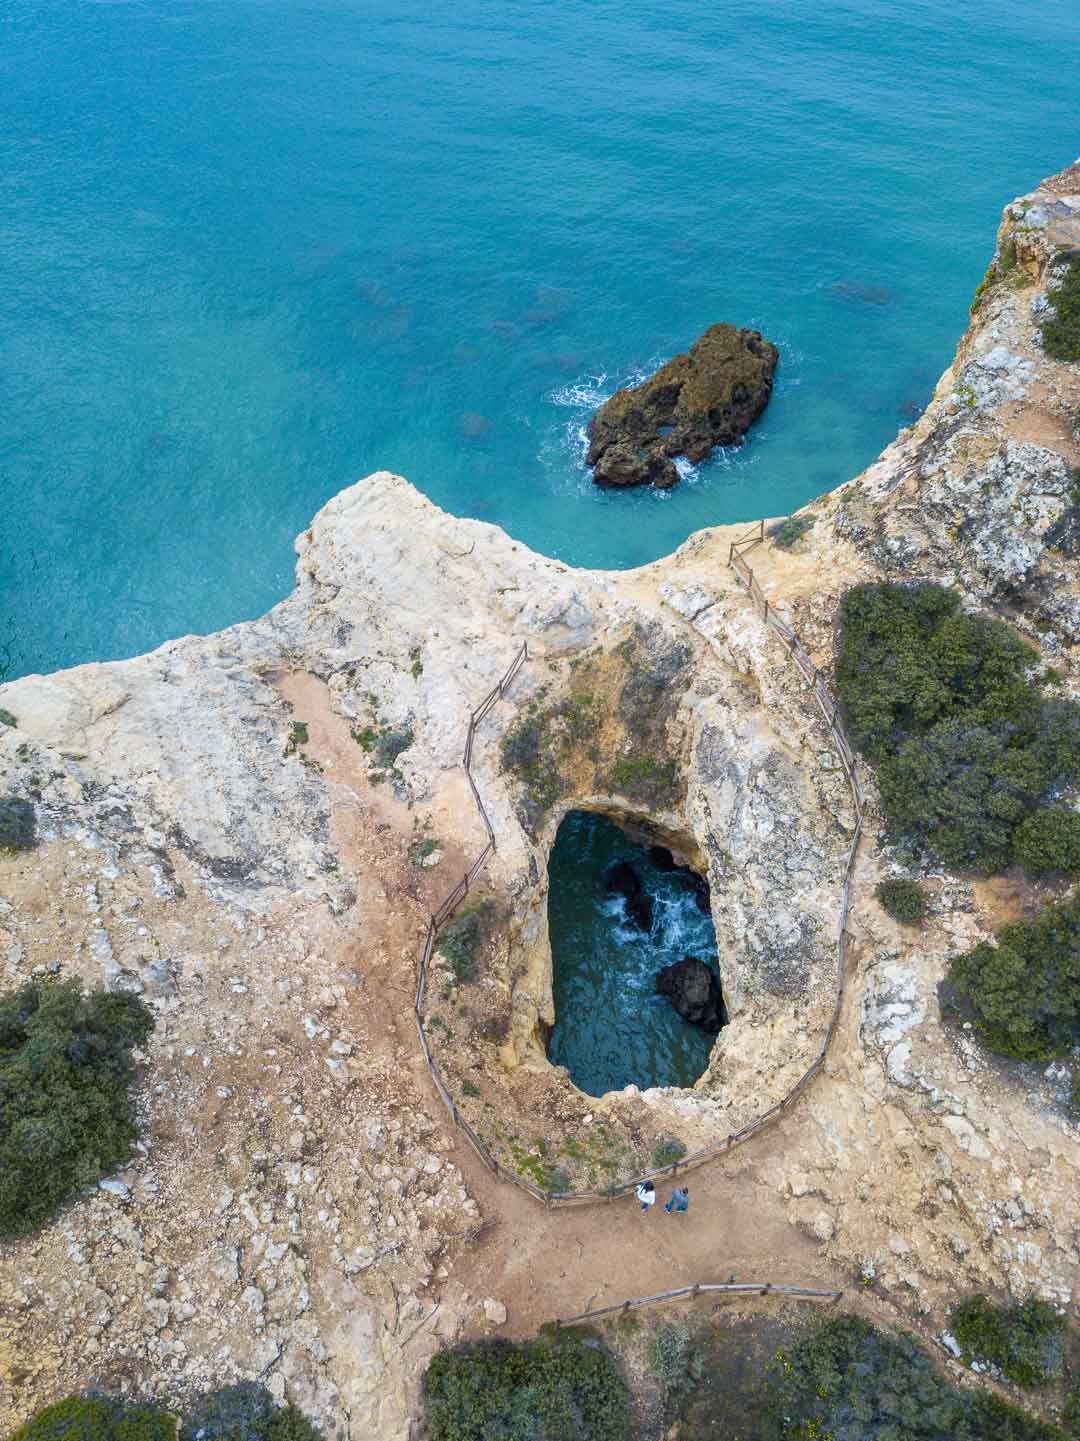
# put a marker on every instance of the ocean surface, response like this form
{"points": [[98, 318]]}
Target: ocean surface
{"points": [[252, 250], [611, 1028]]}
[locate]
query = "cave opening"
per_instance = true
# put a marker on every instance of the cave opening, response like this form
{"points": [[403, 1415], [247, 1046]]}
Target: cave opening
{"points": [[632, 945]]}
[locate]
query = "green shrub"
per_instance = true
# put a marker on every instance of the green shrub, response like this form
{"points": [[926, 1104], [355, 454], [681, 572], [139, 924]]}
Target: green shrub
{"points": [[1025, 1342], [1070, 1414], [644, 778], [1048, 840], [298, 736], [943, 703], [903, 900], [461, 940], [1061, 336], [1074, 1092], [845, 1381], [666, 1151], [532, 748], [98, 1418], [18, 828], [66, 1116], [554, 1388], [389, 744], [910, 657], [244, 1412], [6, 718], [1022, 993], [676, 1364], [786, 532]]}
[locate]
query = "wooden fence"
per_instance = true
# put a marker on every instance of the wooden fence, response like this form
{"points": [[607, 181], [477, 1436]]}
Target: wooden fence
{"points": [[704, 1288], [831, 717]]}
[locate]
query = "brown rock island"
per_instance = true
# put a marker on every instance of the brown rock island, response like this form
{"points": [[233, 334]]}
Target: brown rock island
{"points": [[710, 395]]}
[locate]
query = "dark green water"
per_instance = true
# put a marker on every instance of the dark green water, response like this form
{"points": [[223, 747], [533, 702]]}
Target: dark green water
{"points": [[611, 1028]]}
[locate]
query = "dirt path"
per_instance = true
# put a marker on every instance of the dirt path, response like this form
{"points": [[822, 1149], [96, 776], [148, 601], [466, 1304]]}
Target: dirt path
{"points": [[539, 1263]]}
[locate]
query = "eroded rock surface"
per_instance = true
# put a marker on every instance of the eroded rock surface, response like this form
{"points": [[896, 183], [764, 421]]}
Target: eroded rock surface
{"points": [[708, 396]]}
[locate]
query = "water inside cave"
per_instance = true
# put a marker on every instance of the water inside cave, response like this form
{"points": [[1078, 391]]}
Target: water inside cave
{"points": [[611, 1028]]}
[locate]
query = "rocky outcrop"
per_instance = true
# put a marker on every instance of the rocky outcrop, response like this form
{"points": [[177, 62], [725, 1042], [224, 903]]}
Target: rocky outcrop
{"points": [[709, 396], [694, 992], [621, 879]]}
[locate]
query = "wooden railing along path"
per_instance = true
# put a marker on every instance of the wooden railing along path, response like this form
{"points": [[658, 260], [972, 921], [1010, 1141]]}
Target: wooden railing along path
{"points": [[830, 714], [704, 1288]]}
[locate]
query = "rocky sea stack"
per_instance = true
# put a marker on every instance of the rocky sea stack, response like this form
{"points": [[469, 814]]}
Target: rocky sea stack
{"points": [[694, 992], [709, 396]]}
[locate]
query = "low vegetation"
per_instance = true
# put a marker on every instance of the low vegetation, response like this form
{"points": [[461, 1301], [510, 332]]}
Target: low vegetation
{"points": [[1003, 267], [901, 899], [538, 744], [644, 778], [461, 941], [565, 1387], [66, 1113], [555, 746], [18, 829], [677, 1363], [246, 1412], [1048, 842], [383, 745], [1061, 335], [1024, 1342], [946, 705], [1022, 991], [846, 1381], [98, 1418], [786, 532], [666, 1151]]}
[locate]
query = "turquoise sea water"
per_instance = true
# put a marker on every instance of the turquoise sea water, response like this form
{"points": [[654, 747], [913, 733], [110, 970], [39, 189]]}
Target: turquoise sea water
{"points": [[611, 1028], [254, 249]]}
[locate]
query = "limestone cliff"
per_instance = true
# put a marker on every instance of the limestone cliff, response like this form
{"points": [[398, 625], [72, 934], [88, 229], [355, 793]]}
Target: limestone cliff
{"points": [[241, 827]]}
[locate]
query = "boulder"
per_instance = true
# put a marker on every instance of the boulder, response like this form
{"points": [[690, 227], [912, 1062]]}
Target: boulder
{"points": [[709, 396], [620, 879], [694, 992], [621, 465], [639, 909]]}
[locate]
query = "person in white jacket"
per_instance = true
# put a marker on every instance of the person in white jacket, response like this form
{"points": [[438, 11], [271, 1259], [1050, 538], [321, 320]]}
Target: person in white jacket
{"points": [[646, 1194]]}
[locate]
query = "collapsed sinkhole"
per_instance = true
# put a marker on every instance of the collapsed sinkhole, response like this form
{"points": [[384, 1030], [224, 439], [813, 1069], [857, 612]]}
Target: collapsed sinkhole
{"points": [[632, 945]]}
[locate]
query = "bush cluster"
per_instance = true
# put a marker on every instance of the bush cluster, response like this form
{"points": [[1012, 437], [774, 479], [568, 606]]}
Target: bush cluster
{"points": [[1061, 336], [1048, 840], [18, 827], [461, 940], [535, 744], [903, 900], [1022, 992], [666, 1151], [786, 532], [66, 1116], [98, 1418], [246, 1412], [848, 1382], [944, 704], [565, 1387], [1025, 1342]]}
